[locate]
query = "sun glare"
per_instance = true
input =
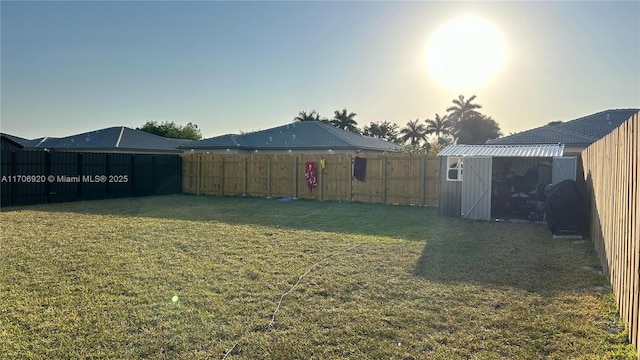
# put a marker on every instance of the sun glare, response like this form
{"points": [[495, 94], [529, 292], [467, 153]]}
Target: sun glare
{"points": [[465, 53]]}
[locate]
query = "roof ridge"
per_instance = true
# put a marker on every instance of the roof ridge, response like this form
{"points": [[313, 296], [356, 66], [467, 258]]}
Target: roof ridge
{"points": [[41, 141], [119, 137], [234, 139], [334, 130]]}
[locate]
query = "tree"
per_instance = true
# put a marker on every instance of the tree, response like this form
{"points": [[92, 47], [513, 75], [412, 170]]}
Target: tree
{"points": [[414, 149], [477, 129], [345, 121], [414, 131], [461, 110], [311, 116], [439, 126], [172, 130], [436, 147], [382, 130]]}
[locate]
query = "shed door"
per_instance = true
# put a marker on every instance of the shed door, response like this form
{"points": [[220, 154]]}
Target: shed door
{"points": [[476, 188], [563, 168]]}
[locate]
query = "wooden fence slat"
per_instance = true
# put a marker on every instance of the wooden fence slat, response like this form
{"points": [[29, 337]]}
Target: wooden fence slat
{"points": [[612, 172], [635, 230]]}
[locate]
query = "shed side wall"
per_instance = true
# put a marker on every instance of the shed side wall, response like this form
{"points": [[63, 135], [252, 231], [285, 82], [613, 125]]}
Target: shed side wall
{"points": [[449, 193]]}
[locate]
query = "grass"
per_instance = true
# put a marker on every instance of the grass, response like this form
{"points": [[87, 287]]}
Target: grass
{"points": [[98, 279]]}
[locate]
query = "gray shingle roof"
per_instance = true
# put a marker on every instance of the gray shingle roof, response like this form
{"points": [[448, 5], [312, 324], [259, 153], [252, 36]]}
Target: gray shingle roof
{"points": [[109, 139], [299, 135], [33, 143], [584, 130], [16, 139], [13, 140], [224, 141]]}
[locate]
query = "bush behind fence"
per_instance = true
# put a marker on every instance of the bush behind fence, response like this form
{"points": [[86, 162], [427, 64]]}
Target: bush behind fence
{"points": [[389, 178]]}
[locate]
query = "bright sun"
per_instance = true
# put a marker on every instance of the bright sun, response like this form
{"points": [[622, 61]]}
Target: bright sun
{"points": [[465, 53]]}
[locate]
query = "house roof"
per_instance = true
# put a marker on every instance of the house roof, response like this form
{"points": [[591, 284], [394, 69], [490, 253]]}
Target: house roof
{"points": [[584, 130], [112, 138], [13, 140], [228, 141], [25, 143], [298, 135], [540, 150]]}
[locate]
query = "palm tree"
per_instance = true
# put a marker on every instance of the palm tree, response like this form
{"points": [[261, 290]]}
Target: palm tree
{"points": [[462, 109], [304, 116], [439, 126], [345, 121], [414, 131]]}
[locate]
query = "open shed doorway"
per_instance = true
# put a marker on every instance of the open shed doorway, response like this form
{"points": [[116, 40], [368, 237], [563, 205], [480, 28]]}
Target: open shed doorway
{"points": [[518, 188], [519, 185]]}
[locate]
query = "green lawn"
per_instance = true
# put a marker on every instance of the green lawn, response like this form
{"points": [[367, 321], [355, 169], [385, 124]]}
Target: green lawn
{"points": [[187, 277]]}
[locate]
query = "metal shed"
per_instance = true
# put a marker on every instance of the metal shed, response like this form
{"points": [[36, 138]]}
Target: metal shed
{"points": [[489, 181]]}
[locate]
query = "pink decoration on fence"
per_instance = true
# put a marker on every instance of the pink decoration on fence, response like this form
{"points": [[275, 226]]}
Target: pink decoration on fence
{"points": [[310, 173]]}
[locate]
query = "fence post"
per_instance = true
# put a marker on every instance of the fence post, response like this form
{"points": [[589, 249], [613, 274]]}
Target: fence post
{"points": [[384, 178], [222, 175], [321, 178], [295, 175], [133, 176], [423, 172], [12, 185], [246, 175], [79, 171], [269, 176], [198, 172], [179, 167], [107, 170], [351, 179], [154, 178], [47, 172], [134, 171]]}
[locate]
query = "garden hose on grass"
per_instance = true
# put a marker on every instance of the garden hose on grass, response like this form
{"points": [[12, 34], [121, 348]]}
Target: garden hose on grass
{"points": [[273, 317]]}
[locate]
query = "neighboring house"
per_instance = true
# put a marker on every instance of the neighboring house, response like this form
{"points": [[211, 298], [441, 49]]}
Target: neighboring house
{"points": [[309, 137], [118, 139], [576, 134]]}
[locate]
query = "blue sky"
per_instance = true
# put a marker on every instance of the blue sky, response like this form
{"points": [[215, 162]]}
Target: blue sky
{"points": [[71, 67]]}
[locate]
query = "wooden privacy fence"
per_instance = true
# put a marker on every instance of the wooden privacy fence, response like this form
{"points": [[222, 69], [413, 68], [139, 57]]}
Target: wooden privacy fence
{"points": [[389, 178], [612, 172]]}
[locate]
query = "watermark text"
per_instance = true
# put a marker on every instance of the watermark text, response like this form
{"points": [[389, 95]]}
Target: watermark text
{"points": [[65, 178]]}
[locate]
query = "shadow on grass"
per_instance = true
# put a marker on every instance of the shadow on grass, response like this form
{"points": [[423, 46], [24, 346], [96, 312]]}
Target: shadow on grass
{"points": [[495, 254], [401, 222], [523, 256]]}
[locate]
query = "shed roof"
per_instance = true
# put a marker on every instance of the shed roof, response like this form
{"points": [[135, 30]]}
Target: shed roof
{"points": [[540, 150]]}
